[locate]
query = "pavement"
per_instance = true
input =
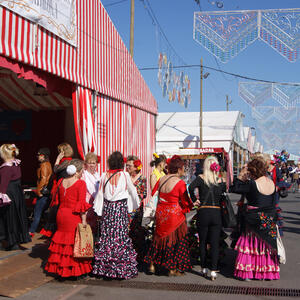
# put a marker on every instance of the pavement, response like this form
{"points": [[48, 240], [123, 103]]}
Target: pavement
{"points": [[190, 286]]}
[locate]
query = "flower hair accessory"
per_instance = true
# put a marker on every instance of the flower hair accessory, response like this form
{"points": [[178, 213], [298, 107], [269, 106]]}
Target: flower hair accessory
{"points": [[71, 170], [215, 167], [125, 160], [138, 164], [155, 155], [168, 161]]}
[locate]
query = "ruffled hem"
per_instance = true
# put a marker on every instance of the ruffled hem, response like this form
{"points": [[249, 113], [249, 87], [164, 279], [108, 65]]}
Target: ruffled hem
{"points": [[61, 260], [78, 270], [81, 207], [256, 259], [64, 238], [168, 241], [257, 275], [124, 271], [171, 258]]}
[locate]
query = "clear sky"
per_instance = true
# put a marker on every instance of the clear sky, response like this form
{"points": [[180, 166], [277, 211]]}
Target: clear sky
{"points": [[176, 18]]}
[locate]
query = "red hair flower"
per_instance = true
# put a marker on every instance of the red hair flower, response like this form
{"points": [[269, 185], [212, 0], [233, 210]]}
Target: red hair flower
{"points": [[138, 164], [125, 160], [215, 167]]}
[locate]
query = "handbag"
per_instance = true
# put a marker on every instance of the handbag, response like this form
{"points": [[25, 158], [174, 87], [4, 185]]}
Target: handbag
{"points": [[45, 191], [280, 248], [84, 242], [227, 212]]}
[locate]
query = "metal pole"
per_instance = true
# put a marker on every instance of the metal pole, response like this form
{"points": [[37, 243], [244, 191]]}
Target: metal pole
{"points": [[131, 28], [201, 106], [227, 104]]}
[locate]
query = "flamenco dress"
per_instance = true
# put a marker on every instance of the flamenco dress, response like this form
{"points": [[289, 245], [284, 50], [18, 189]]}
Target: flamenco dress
{"points": [[170, 247], [256, 247], [13, 217], [71, 203], [114, 255]]}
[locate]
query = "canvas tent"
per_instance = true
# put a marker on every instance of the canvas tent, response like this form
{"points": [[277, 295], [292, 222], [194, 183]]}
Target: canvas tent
{"points": [[178, 133], [66, 75]]}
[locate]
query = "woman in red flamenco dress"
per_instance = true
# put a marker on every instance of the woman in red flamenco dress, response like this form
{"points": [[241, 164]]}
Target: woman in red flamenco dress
{"points": [[170, 249], [72, 210]]}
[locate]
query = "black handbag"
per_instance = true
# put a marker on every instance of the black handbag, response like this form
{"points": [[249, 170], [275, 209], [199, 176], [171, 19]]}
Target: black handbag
{"points": [[45, 191], [228, 216]]}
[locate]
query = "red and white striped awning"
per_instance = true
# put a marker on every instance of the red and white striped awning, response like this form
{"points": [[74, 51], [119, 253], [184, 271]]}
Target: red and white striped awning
{"points": [[20, 94]]}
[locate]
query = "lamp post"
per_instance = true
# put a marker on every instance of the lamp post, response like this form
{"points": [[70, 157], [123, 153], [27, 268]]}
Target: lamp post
{"points": [[227, 103], [201, 102]]}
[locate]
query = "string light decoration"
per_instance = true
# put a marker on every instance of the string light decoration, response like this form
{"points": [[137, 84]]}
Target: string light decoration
{"points": [[255, 94], [226, 34], [276, 109], [174, 85]]}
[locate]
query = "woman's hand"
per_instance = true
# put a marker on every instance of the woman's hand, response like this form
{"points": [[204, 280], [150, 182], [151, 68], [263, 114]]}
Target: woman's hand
{"points": [[60, 156], [197, 203]]}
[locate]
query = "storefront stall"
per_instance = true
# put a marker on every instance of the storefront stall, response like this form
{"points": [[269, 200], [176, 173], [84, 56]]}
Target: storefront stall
{"points": [[66, 76]]}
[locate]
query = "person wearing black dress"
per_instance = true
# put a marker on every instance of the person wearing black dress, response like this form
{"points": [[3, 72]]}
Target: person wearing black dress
{"points": [[13, 218]]}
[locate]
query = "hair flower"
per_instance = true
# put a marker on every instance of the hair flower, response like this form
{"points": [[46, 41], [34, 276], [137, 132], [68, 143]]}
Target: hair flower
{"points": [[125, 160], [155, 155], [71, 170], [215, 167], [138, 164]]}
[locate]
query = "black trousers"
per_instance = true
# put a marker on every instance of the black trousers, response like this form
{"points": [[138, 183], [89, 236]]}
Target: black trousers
{"points": [[209, 225]]}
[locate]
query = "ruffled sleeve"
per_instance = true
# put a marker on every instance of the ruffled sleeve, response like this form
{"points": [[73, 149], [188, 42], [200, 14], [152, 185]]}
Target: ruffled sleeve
{"points": [[81, 205], [184, 199], [4, 199]]}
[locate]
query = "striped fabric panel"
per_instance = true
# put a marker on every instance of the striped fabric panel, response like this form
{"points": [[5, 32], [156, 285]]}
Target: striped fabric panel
{"points": [[120, 127], [100, 61]]}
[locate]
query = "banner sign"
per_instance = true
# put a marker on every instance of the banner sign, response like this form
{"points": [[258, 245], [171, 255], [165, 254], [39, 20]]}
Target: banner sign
{"points": [[57, 16]]}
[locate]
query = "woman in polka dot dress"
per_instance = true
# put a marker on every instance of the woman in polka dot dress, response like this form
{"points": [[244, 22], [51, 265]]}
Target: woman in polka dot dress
{"points": [[114, 255], [170, 249]]}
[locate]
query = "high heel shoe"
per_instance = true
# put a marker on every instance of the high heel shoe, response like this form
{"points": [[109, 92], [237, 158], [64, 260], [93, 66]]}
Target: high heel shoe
{"points": [[213, 275], [151, 269], [204, 272]]}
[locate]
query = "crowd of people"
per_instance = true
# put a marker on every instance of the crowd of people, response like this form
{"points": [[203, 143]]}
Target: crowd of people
{"points": [[113, 205]]}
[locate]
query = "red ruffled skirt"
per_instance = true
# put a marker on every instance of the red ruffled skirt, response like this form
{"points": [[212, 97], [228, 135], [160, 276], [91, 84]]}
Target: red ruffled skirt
{"points": [[61, 261]]}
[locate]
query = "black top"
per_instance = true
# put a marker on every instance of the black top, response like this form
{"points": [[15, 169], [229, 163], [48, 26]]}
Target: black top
{"points": [[253, 196], [211, 195]]}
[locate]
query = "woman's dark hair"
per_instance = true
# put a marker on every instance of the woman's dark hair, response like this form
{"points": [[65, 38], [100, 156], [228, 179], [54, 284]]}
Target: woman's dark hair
{"points": [[116, 161], [174, 164], [157, 160], [257, 167]]}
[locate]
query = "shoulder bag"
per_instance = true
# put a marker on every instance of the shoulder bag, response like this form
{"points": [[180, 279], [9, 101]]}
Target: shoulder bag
{"points": [[228, 215]]}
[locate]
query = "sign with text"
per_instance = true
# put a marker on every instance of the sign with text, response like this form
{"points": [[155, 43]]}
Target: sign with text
{"points": [[57, 16]]}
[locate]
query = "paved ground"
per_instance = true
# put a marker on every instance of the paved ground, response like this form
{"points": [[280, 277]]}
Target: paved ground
{"points": [[191, 286]]}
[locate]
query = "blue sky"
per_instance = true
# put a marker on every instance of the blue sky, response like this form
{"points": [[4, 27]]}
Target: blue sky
{"points": [[176, 18]]}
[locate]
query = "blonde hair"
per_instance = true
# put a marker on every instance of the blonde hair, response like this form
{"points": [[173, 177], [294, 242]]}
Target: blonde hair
{"points": [[91, 156], [66, 148], [209, 176], [9, 151]]}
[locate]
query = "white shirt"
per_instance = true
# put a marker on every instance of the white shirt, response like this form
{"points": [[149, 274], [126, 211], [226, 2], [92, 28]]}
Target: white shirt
{"points": [[124, 190]]}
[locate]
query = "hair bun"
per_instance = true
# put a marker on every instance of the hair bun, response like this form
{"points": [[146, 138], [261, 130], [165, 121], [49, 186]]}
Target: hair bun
{"points": [[71, 170]]}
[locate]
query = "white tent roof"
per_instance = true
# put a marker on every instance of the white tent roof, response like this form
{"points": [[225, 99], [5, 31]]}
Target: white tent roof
{"points": [[181, 130]]}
